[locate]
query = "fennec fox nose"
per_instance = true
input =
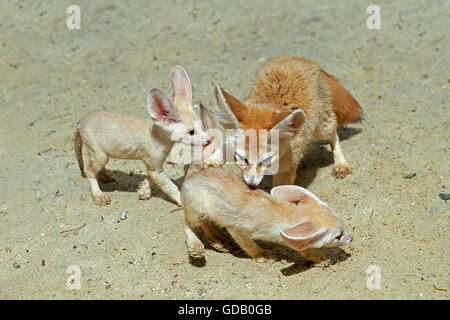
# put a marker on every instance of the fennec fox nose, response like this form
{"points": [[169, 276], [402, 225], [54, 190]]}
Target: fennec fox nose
{"points": [[251, 178], [350, 239], [347, 239], [251, 182]]}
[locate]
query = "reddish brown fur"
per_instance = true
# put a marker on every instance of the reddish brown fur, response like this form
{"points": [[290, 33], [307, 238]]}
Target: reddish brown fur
{"points": [[283, 84], [286, 84], [346, 107]]}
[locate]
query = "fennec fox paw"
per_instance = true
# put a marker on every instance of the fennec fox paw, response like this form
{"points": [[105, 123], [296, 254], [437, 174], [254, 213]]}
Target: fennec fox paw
{"points": [[144, 190], [341, 171], [221, 246], [196, 250], [215, 239], [102, 200], [145, 196], [178, 201], [323, 264], [105, 177], [265, 256]]}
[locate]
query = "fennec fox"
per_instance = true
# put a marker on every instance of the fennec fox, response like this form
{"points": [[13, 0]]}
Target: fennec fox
{"points": [[119, 135], [295, 96], [291, 215]]}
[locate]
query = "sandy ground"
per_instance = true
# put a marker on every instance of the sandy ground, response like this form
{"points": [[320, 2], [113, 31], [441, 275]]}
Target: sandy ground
{"points": [[51, 76]]}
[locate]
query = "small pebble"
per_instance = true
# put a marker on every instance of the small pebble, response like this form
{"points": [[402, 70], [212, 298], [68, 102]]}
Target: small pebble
{"points": [[444, 196], [123, 215], [16, 265]]}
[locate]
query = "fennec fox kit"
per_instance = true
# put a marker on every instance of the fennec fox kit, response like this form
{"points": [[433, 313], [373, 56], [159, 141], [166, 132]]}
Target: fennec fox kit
{"points": [[119, 135], [295, 96], [291, 215]]}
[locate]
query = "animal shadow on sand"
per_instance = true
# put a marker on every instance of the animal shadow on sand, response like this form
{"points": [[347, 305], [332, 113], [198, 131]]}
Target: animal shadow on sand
{"points": [[317, 156], [129, 182], [281, 253]]}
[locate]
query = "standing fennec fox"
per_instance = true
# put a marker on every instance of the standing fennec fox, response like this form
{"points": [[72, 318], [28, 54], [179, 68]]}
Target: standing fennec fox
{"points": [[291, 215], [300, 100], [119, 135]]}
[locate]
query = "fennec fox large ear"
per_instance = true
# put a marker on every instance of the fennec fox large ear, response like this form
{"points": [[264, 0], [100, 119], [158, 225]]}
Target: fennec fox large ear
{"points": [[293, 194], [302, 235], [182, 94], [289, 126], [181, 86], [207, 122], [229, 109], [213, 152], [160, 107]]}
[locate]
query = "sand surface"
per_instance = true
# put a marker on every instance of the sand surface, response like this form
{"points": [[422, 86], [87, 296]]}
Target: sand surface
{"points": [[51, 76]]}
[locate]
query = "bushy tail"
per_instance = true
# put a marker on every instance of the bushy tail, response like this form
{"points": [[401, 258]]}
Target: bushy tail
{"points": [[78, 145], [346, 107]]}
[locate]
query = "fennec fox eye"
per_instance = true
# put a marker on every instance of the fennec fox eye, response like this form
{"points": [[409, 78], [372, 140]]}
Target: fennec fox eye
{"points": [[340, 235], [266, 161], [191, 132], [241, 156]]}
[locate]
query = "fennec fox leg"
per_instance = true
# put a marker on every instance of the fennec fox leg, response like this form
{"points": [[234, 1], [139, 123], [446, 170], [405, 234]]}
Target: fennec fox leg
{"points": [[341, 168], [289, 162], [97, 161], [289, 173], [248, 245], [166, 185], [317, 257], [195, 246], [216, 239], [287, 177], [144, 189]]}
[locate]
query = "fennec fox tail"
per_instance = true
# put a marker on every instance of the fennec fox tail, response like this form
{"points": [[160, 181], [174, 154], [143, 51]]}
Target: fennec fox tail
{"points": [[346, 108], [302, 102], [119, 135], [291, 215], [78, 146]]}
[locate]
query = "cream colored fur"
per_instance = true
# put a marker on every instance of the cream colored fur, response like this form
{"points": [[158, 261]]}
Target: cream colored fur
{"points": [[118, 135], [211, 194]]}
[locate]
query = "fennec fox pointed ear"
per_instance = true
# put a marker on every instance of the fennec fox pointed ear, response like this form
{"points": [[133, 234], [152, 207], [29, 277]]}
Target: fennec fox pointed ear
{"points": [[293, 194], [207, 122], [213, 152], [182, 89], [289, 126], [230, 110], [160, 108], [302, 236]]}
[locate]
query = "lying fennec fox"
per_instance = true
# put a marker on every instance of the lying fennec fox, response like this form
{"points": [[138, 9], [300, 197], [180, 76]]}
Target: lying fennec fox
{"points": [[119, 135], [291, 215], [284, 88]]}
